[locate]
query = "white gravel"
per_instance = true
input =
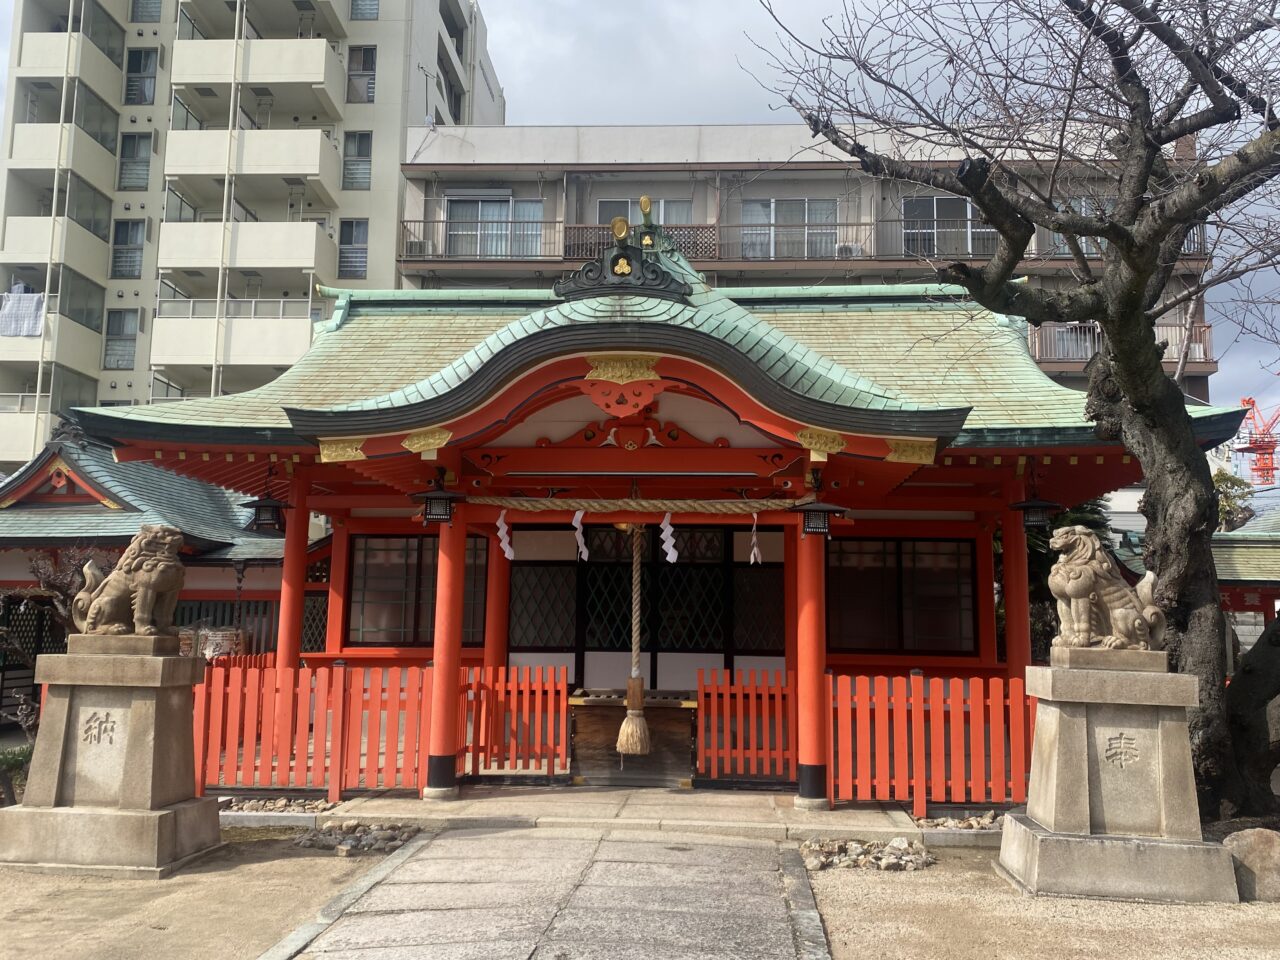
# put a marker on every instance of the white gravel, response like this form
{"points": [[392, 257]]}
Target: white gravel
{"points": [[960, 909]]}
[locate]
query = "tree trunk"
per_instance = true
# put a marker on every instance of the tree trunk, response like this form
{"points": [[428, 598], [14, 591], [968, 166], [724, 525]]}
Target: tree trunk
{"points": [[1254, 715], [1181, 509]]}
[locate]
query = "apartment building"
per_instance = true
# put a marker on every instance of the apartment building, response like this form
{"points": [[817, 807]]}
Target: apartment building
{"points": [[178, 176], [748, 205]]}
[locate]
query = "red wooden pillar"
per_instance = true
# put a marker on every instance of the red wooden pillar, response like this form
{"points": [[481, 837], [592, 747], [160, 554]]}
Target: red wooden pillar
{"points": [[497, 605], [339, 564], [811, 664], [293, 578], [1017, 602], [446, 656], [790, 539]]}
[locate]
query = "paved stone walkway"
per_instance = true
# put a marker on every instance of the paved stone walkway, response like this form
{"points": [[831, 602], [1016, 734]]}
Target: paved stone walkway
{"points": [[581, 894], [743, 813]]}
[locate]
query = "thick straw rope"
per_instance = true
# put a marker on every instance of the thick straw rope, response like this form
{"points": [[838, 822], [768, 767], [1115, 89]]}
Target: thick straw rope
{"points": [[540, 504], [637, 555]]}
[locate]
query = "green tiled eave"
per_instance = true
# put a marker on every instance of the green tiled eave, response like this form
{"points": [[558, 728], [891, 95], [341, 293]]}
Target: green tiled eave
{"points": [[875, 347]]}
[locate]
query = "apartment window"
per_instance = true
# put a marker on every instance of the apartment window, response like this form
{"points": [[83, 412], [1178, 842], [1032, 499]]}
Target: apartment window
{"points": [[102, 31], [664, 212], [357, 161], [1090, 207], [126, 249], [901, 596], [89, 208], [69, 389], [135, 161], [945, 227], [177, 208], [80, 299], [140, 77], [92, 115], [362, 69], [121, 340], [788, 229], [144, 11], [493, 227], [364, 9], [353, 248]]}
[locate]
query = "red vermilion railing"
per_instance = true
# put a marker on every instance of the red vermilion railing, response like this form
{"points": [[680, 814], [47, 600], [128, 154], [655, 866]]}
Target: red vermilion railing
{"points": [[746, 725], [916, 740], [515, 719], [353, 728]]}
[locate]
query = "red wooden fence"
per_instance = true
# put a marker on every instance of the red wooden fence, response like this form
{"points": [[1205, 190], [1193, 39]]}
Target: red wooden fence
{"points": [[344, 728], [917, 740], [746, 725], [515, 719]]}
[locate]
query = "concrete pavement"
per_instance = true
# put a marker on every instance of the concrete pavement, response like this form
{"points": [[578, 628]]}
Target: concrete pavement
{"points": [[559, 893]]}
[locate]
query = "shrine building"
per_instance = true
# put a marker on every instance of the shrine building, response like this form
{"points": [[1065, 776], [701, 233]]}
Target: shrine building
{"points": [[819, 473]]}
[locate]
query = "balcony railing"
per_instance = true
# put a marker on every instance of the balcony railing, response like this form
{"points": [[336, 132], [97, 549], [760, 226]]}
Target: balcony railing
{"points": [[888, 239], [1078, 342], [258, 309], [24, 403]]}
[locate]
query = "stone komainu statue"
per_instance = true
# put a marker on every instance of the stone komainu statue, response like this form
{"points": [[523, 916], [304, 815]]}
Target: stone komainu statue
{"points": [[140, 594], [1095, 606]]}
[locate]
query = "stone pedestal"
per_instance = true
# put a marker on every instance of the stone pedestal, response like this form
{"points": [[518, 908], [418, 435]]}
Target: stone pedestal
{"points": [[112, 784], [1112, 807]]}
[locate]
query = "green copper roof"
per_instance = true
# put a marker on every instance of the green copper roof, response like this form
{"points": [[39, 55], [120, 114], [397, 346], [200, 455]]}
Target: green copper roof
{"points": [[1250, 554], [914, 350], [210, 517]]}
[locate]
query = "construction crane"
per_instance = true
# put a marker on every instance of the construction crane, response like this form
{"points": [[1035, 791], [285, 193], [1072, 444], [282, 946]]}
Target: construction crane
{"points": [[1257, 438]]}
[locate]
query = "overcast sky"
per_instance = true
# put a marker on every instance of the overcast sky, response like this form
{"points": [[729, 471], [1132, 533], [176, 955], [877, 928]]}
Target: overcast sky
{"points": [[690, 61]]}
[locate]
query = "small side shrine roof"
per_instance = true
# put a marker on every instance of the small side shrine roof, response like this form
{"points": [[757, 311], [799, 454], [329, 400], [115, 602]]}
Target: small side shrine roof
{"points": [[73, 491], [899, 360], [1247, 555]]}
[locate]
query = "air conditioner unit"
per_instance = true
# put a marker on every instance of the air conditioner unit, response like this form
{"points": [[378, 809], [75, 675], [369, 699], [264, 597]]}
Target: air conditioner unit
{"points": [[415, 249], [847, 251]]}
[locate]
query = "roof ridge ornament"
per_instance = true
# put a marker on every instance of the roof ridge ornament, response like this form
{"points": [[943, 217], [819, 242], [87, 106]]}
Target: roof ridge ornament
{"points": [[624, 269]]}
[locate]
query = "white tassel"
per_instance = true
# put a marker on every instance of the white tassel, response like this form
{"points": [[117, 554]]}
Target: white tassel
{"points": [[755, 556], [579, 535], [504, 537], [668, 538]]}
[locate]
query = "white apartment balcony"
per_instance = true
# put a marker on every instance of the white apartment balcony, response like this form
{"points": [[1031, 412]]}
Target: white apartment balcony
{"points": [[272, 155], [267, 334], [1067, 347], [258, 245], [44, 56], [29, 240], [34, 146], [19, 413], [274, 20], [303, 76]]}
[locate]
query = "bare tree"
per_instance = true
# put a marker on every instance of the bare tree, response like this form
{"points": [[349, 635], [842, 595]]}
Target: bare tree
{"points": [[1135, 133]]}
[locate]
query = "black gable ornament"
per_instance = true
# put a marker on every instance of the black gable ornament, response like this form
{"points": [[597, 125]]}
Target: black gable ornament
{"points": [[623, 269]]}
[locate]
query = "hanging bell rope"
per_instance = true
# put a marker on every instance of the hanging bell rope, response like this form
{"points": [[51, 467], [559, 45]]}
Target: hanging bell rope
{"points": [[633, 737], [634, 505]]}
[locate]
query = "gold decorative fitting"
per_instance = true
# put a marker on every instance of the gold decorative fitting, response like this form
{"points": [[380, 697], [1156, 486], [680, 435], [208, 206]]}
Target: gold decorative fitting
{"points": [[621, 370], [4, 504], [912, 451], [620, 228], [622, 267], [110, 504], [426, 442], [340, 451], [645, 205], [820, 441], [646, 240]]}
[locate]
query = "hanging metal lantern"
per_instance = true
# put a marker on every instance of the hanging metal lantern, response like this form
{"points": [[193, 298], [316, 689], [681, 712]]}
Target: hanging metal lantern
{"points": [[437, 503], [817, 516], [1036, 513], [268, 512]]}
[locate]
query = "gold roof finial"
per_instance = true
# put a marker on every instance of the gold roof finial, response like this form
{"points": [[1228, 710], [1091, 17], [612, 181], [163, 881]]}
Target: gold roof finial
{"points": [[620, 228], [646, 205]]}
